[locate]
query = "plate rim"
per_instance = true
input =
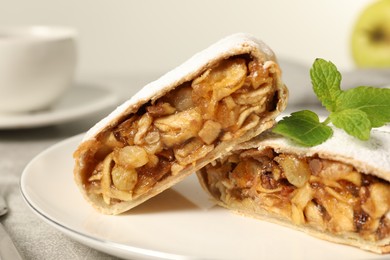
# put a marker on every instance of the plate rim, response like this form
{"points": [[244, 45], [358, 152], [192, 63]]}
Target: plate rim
{"points": [[106, 245], [94, 242]]}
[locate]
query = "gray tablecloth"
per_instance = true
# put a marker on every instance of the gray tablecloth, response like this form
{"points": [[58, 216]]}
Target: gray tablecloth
{"points": [[34, 238]]}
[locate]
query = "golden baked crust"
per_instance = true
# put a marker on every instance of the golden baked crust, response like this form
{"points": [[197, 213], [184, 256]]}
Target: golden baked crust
{"points": [[316, 193]]}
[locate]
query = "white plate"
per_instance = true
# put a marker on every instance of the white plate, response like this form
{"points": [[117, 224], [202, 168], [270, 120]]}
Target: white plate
{"points": [[78, 102], [169, 226]]}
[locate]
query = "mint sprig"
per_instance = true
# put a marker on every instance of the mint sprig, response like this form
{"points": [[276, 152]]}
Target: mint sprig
{"points": [[356, 110], [304, 127]]}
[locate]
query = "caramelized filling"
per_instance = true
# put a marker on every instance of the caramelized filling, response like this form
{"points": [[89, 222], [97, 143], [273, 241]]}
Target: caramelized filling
{"points": [[176, 130], [324, 194]]}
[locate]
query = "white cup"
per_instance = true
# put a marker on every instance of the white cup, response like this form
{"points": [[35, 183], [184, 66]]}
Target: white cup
{"points": [[37, 65]]}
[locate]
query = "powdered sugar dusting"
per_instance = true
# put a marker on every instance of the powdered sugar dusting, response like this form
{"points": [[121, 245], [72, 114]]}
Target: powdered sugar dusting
{"points": [[372, 156]]}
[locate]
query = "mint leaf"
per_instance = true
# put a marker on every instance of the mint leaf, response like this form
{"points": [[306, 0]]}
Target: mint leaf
{"points": [[353, 121], [303, 127], [375, 102], [356, 110], [326, 82]]}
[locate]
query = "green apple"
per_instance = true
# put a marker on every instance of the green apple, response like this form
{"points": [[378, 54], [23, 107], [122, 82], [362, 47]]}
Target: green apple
{"points": [[370, 39]]}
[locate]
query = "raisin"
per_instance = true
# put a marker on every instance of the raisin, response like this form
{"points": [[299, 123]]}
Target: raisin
{"points": [[360, 218]]}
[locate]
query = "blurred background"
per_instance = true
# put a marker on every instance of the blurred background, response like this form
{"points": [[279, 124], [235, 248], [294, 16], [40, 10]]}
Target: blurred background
{"points": [[144, 39], [127, 36]]}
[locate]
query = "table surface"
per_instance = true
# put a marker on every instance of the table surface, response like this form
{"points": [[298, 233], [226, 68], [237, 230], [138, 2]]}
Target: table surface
{"points": [[34, 238]]}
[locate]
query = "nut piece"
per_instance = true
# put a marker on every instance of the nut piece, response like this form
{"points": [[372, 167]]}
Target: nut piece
{"points": [[223, 80], [227, 112], [153, 143], [332, 170], [178, 128], [210, 131], [378, 204], [143, 126], [341, 215], [191, 151], [297, 171], [111, 141], [303, 196], [259, 74], [160, 109], [247, 113], [217, 83], [244, 175], [254, 97], [314, 216], [106, 179]]}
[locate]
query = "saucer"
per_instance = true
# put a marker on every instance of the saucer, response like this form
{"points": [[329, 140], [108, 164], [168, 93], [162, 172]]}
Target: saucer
{"points": [[79, 101]]}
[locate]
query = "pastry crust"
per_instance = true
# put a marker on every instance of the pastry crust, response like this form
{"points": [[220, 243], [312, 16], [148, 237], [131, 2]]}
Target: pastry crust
{"points": [[358, 159], [233, 51], [370, 157]]}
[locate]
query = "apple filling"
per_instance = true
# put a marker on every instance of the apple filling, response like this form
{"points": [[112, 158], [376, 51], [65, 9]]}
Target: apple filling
{"points": [[323, 194], [178, 129]]}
